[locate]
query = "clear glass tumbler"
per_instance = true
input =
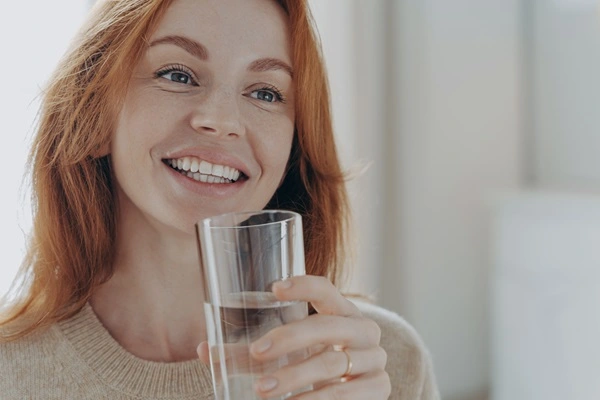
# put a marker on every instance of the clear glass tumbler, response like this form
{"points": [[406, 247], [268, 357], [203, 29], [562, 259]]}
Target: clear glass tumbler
{"points": [[242, 255]]}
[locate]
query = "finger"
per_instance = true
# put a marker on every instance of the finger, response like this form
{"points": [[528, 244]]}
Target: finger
{"points": [[317, 290], [230, 354], [203, 352], [374, 386], [317, 329], [323, 367]]}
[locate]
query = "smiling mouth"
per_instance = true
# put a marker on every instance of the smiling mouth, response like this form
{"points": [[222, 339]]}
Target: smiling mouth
{"points": [[203, 171]]}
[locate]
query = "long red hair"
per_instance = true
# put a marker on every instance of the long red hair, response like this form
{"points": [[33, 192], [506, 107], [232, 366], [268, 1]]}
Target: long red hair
{"points": [[74, 215]]}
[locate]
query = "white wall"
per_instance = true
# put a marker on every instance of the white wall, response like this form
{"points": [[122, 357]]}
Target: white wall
{"points": [[546, 296], [456, 140], [565, 66], [546, 290], [429, 91], [31, 44]]}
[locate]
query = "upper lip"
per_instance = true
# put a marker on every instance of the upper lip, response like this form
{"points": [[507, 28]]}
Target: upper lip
{"points": [[212, 156]]}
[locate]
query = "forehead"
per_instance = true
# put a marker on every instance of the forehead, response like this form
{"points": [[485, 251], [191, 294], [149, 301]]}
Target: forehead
{"points": [[252, 27]]}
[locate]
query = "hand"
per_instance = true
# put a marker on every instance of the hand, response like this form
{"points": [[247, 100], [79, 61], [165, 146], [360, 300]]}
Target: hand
{"points": [[337, 324]]}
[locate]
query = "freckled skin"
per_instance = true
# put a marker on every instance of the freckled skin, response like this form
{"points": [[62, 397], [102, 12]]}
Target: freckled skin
{"points": [[214, 105]]}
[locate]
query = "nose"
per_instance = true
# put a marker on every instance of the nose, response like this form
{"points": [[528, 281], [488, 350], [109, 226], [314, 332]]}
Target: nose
{"points": [[218, 114]]}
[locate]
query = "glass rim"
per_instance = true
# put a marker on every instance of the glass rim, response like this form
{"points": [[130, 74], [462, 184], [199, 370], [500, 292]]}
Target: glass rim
{"points": [[207, 222]]}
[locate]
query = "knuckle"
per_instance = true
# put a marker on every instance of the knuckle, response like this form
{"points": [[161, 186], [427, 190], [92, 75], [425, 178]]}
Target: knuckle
{"points": [[372, 331], [291, 335], [275, 333], [324, 284], [376, 331], [317, 349], [282, 334], [381, 357], [329, 361], [324, 322]]}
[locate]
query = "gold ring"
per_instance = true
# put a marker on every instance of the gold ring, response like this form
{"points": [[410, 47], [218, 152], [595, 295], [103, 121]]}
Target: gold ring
{"points": [[346, 376]]}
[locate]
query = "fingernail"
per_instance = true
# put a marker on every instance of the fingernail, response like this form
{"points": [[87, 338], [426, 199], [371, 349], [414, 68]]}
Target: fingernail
{"points": [[261, 346], [286, 284], [266, 384]]}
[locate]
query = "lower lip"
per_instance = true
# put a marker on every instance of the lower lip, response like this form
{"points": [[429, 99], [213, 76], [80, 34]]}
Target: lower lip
{"points": [[205, 188]]}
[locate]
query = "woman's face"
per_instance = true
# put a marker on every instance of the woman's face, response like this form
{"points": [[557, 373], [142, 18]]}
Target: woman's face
{"points": [[208, 119]]}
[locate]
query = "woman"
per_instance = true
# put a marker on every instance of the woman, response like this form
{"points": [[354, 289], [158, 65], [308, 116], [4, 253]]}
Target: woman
{"points": [[163, 113]]}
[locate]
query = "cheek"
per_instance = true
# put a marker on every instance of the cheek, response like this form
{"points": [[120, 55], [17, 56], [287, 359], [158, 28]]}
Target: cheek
{"points": [[274, 140], [139, 125], [277, 151]]}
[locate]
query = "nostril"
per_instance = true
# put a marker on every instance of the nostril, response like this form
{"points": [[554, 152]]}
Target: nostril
{"points": [[208, 128], [226, 124]]}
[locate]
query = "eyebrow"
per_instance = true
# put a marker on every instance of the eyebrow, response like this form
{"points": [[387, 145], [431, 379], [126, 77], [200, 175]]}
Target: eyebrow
{"points": [[191, 46], [200, 51], [270, 64]]}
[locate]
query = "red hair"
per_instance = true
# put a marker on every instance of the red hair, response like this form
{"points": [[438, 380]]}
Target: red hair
{"points": [[74, 217]]}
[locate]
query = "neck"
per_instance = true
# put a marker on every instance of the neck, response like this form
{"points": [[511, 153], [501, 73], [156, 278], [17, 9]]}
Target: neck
{"points": [[153, 304]]}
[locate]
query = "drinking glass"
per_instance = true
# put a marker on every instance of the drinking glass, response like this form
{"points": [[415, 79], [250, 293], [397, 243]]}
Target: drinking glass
{"points": [[241, 256]]}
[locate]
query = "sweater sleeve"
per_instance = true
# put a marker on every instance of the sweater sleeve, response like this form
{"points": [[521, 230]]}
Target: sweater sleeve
{"points": [[409, 364]]}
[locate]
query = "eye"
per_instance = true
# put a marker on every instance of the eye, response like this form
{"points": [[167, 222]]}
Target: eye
{"points": [[270, 95], [179, 77], [177, 74]]}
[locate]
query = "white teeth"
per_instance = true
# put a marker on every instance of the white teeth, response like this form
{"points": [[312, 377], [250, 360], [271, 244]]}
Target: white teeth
{"points": [[195, 165], [197, 176], [205, 167], [204, 171], [186, 164], [217, 170]]}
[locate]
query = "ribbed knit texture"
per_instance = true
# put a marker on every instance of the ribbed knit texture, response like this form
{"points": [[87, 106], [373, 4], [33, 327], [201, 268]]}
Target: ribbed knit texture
{"points": [[79, 359]]}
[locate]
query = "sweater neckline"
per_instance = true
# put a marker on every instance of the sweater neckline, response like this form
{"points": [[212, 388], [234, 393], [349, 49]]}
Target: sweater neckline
{"points": [[123, 371]]}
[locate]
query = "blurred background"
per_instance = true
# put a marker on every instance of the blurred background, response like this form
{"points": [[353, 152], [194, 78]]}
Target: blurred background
{"points": [[478, 219]]}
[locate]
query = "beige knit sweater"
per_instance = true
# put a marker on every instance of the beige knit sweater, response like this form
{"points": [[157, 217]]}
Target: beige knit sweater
{"points": [[79, 359]]}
